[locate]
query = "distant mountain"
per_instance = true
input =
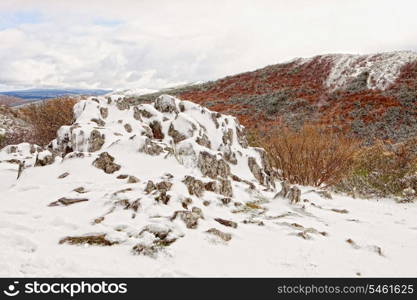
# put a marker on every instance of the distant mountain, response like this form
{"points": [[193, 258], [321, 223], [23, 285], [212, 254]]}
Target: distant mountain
{"points": [[40, 94], [10, 100], [371, 96]]}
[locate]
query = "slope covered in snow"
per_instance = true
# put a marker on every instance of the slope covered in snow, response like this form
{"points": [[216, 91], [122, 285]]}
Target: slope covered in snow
{"points": [[173, 189]]}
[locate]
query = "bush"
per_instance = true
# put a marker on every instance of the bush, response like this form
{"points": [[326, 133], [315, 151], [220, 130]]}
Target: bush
{"points": [[311, 156], [47, 117], [383, 170]]}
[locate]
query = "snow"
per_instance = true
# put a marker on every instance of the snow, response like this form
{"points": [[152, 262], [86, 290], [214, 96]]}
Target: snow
{"points": [[383, 68], [384, 233]]}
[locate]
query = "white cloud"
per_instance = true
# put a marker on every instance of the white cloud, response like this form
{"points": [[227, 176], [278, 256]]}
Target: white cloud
{"points": [[152, 44]]}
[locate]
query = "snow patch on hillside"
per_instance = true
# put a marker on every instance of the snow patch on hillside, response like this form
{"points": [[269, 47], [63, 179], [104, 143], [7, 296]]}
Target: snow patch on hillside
{"points": [[383, 68]]}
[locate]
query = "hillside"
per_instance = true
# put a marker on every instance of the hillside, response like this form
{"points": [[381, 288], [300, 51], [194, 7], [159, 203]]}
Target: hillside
{"points": [[367, 95], [171, 188]]}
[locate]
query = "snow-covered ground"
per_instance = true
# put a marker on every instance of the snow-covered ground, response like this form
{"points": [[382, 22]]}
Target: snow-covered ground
{"points": [[268, 236]]}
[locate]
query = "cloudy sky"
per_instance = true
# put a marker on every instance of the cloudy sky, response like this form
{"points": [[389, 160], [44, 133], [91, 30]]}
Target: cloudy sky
{"points": [[153, 44]]}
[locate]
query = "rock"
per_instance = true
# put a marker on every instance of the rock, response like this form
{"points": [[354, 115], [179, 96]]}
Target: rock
{"points": [[226, 222], [99, 122], [285, 189], [204, 141], [187, 201], [80, 190], [190, 218], [150, 187], [96, 141], [175, 134], [136, 114], [122, 104], [195, 187], [224, 236], [163, 186], [104, 112], [225, 188], [294, 195], [212, 167], [106, 163], [142, 249], [156, 130], [96, 240], [151, 148], [44, 159], [63, 175], [226, 200], [163, 197], [214, 117], [211, 186], [206, 203], [340, 211], [241, 137], [128, 128], [139, 113], [66, 201], [122, 176], [133, 179], [166, 104], [227, 137], [256, 170]]}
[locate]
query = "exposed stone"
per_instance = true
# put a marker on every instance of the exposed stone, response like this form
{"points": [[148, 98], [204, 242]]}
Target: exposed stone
{"points": [[63, 175], [96, 240], [175, 134], [104, 112], [99, 122], [133, 179], [294, 195], [156, 130], [147, 250], [150, 187], [226, 200], [128, 128], [122, 104], [223, 235], [212, 167], [95, 141], [241, 137], [166, 104], [227, 137], [190, 218], [214, 117], [80, 190], [163, 186], [163, 197], [204, 141], [195, 187], [225, 188], [122, 176], [151, 148], [256, 170], [185, 202], [44, 160], [67, 201], [285, 189], [226, 222], [106, 163], [136, 114], [211, 186]]}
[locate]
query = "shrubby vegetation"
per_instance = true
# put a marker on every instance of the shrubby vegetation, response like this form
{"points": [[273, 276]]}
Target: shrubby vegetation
{"points": [[315, 156]]}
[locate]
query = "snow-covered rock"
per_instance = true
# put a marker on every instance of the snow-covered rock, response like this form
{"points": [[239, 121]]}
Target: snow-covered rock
{"points": [[178, 183]]}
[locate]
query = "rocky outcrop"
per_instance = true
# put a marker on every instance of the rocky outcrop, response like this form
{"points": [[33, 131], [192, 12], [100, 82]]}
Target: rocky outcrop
{"points": [[212, 167], [106, 163]]}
